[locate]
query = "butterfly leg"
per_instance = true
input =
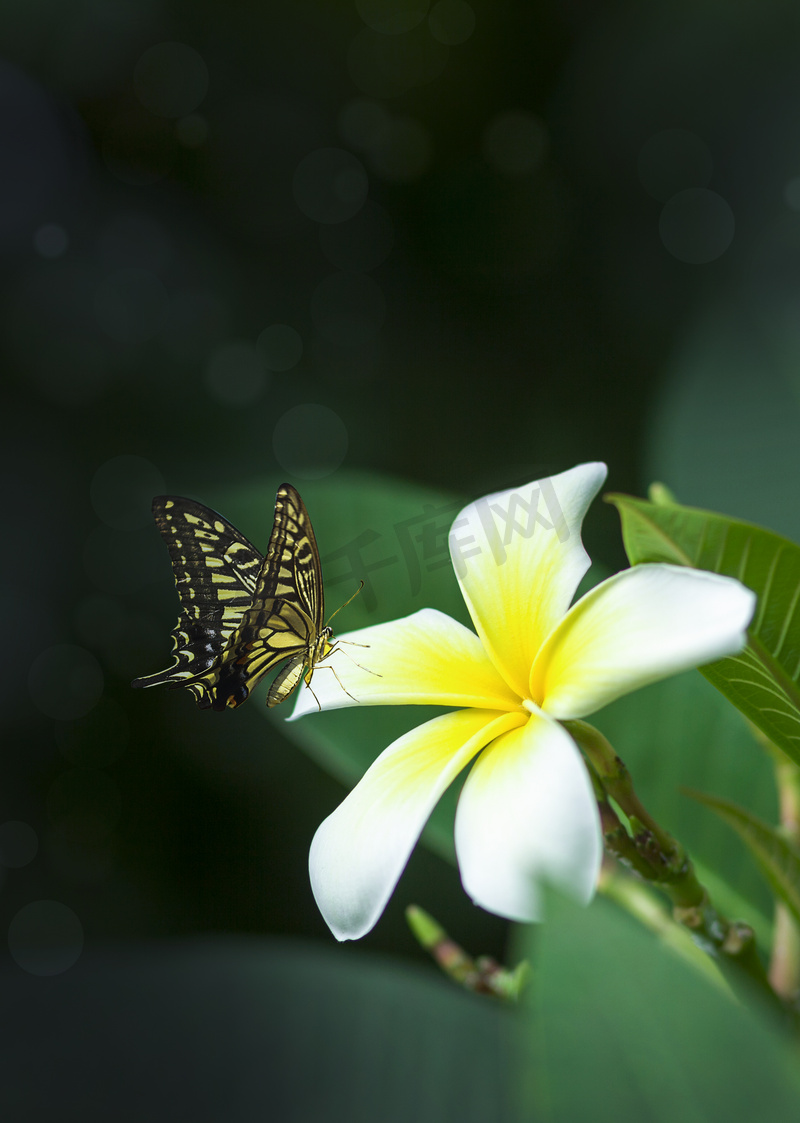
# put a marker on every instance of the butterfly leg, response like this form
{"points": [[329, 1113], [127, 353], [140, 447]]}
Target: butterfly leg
{"points": [[352, 660], [328, 667], [316, 699]]}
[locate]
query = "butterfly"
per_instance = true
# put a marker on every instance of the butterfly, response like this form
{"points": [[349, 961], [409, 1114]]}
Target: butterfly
{"points": [[242, 614]]}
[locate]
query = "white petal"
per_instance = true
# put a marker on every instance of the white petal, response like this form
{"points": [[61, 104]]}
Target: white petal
{"points": [[527, 817], [424, 659], [360, 850], [518, 557], [640, 626]]}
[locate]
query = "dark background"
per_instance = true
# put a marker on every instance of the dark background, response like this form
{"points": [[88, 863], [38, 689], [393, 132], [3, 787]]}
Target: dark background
{"points": [[494, 229]]}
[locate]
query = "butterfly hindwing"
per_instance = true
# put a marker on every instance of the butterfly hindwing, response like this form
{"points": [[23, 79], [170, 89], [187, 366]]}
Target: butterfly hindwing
{"points": [[270, 634], [216, 572]]}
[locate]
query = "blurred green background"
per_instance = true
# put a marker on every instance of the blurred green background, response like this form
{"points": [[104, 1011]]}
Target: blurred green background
{"points": [[463, 245]]}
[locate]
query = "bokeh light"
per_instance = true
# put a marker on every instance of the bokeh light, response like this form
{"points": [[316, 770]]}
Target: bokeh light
{"points": [[45, 938], [696, 226], [791, 193], [451, 21], [362, 123], [330, 185], [235, 374], [310, 441], [51, 240]]}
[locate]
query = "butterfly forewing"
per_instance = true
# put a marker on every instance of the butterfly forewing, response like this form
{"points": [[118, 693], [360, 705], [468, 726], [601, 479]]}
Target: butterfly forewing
{"points": [[216, 572], [293, 569]]}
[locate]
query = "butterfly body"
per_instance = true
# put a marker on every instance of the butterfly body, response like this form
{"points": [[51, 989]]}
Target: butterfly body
{"points": [[241, 614], [288, 677]]}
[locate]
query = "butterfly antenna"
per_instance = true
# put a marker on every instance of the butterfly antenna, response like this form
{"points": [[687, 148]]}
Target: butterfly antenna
{"points": [[341, 606]]}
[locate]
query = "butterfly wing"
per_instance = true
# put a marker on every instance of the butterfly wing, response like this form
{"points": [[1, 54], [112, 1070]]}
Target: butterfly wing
{"points": [[216, 572], [293, 558], [284, 618], [269, 634]]}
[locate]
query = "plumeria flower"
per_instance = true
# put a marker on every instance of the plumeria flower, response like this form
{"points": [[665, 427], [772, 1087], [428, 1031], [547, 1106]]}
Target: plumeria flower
{"points": [[527, 815]]}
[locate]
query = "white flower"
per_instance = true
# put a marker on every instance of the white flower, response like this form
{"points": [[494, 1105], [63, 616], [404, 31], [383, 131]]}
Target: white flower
{"points": [[527, 815]]}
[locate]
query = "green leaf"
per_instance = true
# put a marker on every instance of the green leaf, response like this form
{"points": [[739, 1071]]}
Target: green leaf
{"points": [[778, 859], [228, 1030], [682, 732], [393, 535], [763, 681], [624, 1030]]}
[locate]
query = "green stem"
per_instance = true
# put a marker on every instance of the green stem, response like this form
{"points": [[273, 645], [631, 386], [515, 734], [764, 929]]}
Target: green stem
{"points": [[618, 841], [784, 964], [784, 967], [482, 975], [661, 859]]}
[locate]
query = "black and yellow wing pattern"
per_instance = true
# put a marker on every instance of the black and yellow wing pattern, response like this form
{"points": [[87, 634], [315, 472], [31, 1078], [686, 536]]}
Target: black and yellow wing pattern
{"points": [[241, 614], [216, 570]]}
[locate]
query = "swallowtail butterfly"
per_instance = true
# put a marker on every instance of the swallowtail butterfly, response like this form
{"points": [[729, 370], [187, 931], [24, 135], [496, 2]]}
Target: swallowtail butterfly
{"points": [[241, 614]]}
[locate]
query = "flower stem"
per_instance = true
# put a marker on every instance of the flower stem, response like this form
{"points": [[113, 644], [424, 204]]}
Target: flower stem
{"points": [[482, 975], [784, 967], [657, 857]]}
